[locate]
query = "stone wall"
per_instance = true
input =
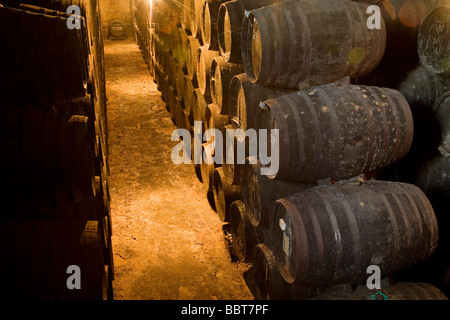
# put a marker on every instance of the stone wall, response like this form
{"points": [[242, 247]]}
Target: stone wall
{"points": [[115, 9]]}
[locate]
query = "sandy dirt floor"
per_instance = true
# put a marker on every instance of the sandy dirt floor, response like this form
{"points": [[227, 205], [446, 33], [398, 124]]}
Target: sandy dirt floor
{"points": [[167, 241]]}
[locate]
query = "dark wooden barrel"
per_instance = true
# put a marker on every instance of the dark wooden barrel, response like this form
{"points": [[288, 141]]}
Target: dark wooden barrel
{"points": [[243, 236], [94, 258], [441, 111], [171, 70], [259, 192], [269, 284], [196, 13], [213, 118], [244, 99], [221, 74], [330, 234], [433, 176], [433, 43], [205, 58], [166, 18], [422, 88], [199, 103], [180, 50], [186, 15], [224, 194], [228, 166], [187, 92], [229, 22], [117, 29], [234, 140], [397, 291], [305, 52], [207, 166], [53, 152], [337, 131], [79, 154], [192, 48], [181, 120], [208, 23], [180, 84], [39, 252]]}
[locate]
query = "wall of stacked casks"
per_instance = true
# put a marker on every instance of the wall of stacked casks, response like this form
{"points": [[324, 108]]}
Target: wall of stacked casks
{"points": [[418, 66], [346, 119], [55, 223]]}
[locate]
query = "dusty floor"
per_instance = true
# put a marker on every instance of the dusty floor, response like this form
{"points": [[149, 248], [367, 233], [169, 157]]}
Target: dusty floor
{"points": [[167, 241]]}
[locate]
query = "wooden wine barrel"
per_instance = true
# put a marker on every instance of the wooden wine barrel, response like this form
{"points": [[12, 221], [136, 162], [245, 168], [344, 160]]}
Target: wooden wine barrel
{"points": [[330, 234], [186, 15], [269, 284], [433, 176], [441, 110], [188, 122], [192, 48], [221, 75], [205, 58], [235, 151], [79, 153], [199, 103], [39, 148], [227, 241], [229, 22], [175, 108], [398, 291], [224, 194], [171, 68], [37, 256], [207, 166], [208, 23], [117, 30], [213, 118], [173, 74], [259, 192], [307, 53], [433, 43], [340, 130], [188, 94], [422, 88], [180, 83], [180, 51], [94, 257], [243, 236], [244, 99], [196, 13], [168, 16]]}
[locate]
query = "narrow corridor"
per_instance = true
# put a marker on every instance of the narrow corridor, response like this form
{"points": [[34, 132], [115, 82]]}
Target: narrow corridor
{"points": [[167, 240]]}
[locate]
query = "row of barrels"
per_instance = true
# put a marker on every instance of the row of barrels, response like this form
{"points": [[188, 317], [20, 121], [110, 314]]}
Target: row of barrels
{"points": [[36, 54], [39, 263], [309, 212], [57, 204], [424, 80]]}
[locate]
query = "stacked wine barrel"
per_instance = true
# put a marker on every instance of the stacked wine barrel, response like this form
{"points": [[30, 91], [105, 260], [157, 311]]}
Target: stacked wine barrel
{"points": [[423, 78], [55, 197], [303, 70]]}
